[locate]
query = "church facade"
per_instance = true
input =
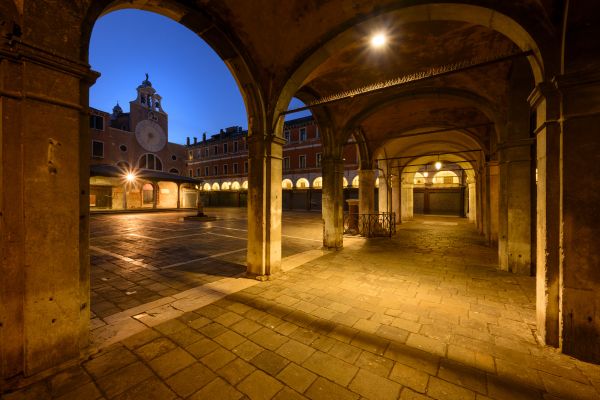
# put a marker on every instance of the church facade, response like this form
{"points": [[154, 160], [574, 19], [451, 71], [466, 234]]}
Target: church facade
{"points": [[133, 164]]}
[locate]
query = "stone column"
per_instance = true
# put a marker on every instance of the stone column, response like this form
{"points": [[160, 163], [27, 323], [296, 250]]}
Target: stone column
{"points": [[179, 195], [546, 102], [580, 220], [493, 200], [396, 197], [366, 191], [383, 192], [333, 202], [124, 199], [472, 203], [156, 191], [264, 205], [514, 245], [406, 202], [44, 204]]}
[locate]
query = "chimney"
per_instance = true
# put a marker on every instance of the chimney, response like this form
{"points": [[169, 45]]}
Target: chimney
{"points": [[195, 140], [188, 141]]}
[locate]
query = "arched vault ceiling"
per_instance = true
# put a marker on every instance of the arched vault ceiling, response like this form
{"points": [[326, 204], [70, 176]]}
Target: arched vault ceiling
{"points": [[398, 118], [279, 36], [411, 48]]}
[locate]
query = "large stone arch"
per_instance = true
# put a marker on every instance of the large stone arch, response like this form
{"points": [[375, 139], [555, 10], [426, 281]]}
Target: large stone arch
{"points": [[542, 61], [210, 29], [463, 96]]}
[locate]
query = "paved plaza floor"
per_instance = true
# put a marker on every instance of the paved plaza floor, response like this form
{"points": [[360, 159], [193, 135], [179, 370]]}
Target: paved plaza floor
{"points": [[425, 314]]}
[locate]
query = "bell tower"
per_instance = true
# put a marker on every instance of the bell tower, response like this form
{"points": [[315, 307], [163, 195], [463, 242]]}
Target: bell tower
{"points": [[148, 106]]}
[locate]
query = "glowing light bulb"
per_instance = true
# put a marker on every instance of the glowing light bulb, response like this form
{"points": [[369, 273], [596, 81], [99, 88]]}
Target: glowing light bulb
{"points": [[130, 177], [425, 174], [378, 40], [438, 165]]}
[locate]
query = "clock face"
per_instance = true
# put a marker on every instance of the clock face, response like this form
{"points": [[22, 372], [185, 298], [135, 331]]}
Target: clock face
{"points": [[150, 136]]}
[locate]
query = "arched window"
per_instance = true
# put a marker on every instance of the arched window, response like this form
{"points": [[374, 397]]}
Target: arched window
{"points": [[206, 187], [150, 161], [419, 179], [445, 177], [302, 183], [235, 186], [215, 186], [245, 185], [355, 181], [318, 182], [287, 184], [345, 182], [225, 185], [174, 171]]}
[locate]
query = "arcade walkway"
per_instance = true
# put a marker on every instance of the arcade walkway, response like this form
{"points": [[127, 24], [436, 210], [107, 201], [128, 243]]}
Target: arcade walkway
{"points": [[423, 315]]}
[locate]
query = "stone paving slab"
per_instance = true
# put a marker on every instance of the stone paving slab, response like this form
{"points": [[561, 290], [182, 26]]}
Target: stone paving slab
{"points": [[424, 315]]}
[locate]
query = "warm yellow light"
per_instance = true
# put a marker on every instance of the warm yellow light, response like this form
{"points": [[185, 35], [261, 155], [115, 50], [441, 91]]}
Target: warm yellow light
{"points": [[438, 165], [378, 40], [130, 177], [425, 174]]}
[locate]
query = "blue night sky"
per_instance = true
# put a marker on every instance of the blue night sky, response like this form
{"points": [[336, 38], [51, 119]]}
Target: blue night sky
{"points": [[199, 93]]}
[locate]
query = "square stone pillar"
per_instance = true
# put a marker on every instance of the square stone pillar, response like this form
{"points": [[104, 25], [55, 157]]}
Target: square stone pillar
{"points": [[396, 198], [472, 203], [44, 204], [546, 102], [383, 192], [493, 200], [579, 168], [514, 238], [333, 202], [406, 202], [264, 205], [366, 191]]}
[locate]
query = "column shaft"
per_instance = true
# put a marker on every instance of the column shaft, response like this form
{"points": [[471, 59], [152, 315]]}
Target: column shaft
{"points": [[366, 191], [264, 205], [333, 202]]}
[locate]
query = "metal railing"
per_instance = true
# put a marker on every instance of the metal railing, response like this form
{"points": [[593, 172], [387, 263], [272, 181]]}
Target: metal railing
{"points": [[370, 225]]}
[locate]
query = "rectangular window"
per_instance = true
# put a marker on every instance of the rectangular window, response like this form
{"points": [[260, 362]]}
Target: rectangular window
{"points": [[235, 168], [190, 172], [235, 147], [245, 167], [205, 171], [206, 152], [302, 134], [224, 148], [286, 163], [216, 149], [198, 172], [318, 160], [317, 133], [302, 162], [97, 122], [97, 149], [190, 155], [286, 134], [215, 170], [225, 169]]}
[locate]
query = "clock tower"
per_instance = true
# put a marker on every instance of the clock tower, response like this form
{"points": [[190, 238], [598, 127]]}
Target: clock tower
{"points": [[148, 119]]}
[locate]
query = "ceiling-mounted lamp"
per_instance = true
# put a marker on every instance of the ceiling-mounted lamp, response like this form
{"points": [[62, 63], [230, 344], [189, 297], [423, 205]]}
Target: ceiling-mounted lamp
{"points": [[438, 163]]}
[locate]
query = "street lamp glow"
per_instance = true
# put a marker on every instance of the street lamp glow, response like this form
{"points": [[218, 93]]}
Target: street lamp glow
{"points": [[378, 40], [130, 177], [438, 165]]}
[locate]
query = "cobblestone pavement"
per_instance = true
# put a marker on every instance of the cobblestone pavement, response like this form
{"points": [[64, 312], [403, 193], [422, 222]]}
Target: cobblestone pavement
{"points": [[423, 315]]}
